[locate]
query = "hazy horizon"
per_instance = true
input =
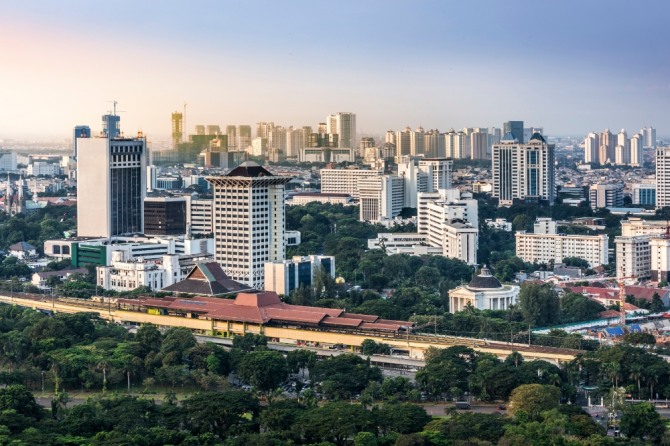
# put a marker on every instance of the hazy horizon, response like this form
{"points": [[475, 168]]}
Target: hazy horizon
{"points": [[570, 67]]}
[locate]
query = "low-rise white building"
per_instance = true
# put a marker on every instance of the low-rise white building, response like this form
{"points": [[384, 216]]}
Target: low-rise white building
{"points": [[633, 256], [547, 246], [484, 292], [499, 223], [302, 198], [284, 276]]}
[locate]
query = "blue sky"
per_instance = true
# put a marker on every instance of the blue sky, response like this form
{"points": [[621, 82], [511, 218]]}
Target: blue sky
{"points": [[569, 66]]}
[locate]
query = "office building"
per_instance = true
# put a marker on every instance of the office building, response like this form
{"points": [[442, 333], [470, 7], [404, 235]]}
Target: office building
{"points": [[199, 217], [80, 131], [523, 171], [528, 132], [165, 215], [284, 276], [111, 183], [450, 222], [381, 197], [344, 181], [177, 129], [343, 124], [515, 128], [416, 180], [662, 177], [644, 194], [634, 226], [327, 155], [633, 256], [249, 221], [606, 196], [546, 246], [438, 171]]}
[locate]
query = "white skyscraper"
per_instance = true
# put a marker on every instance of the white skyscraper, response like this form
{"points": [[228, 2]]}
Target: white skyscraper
{"points": [[523, 171], [636, 150], [456, 145], [416, 142], [402, 142], [111, 183], [662, 177], [344, 125], [591, 147], [649, 137], [249, 221], [295, 141]]}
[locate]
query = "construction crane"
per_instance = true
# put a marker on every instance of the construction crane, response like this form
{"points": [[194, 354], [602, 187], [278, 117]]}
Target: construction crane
{"points": [[622, 295]]}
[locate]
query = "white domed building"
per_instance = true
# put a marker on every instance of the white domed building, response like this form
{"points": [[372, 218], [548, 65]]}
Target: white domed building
{"points": [[484, 292]]}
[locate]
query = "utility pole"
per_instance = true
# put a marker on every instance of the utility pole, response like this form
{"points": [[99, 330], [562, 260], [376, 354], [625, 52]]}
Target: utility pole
{"points": [[528, 335]]}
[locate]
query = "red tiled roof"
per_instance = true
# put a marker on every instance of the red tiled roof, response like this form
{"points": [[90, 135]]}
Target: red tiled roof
{"points": [[264, 306], [643, 292]]}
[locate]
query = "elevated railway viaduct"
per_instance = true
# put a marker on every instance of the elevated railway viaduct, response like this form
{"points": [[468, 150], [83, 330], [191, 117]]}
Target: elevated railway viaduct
{"points": [[404, 345]]}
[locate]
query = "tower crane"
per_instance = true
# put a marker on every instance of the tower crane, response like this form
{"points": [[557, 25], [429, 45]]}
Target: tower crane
{"points": [[622, 295]]}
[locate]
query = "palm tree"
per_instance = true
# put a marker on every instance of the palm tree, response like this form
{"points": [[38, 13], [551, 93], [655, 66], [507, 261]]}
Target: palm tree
{"points": [[636, 373]]}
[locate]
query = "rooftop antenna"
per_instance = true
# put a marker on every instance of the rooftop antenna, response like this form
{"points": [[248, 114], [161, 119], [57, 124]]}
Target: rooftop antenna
{"points": [[114, 111]]}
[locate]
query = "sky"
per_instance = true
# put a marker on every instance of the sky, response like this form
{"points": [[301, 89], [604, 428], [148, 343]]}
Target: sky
{"points": [[570, 66]]}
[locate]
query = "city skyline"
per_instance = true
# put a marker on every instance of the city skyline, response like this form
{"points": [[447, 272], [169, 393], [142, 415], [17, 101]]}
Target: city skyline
{"points": [[563, 66]]}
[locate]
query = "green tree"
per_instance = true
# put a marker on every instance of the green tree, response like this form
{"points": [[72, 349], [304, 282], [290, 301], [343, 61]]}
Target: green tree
{"points": [[539, 304], [576, 307], [533, 399], [263, 369], [642, 421], [21, 400], [221, 413], [336, 422], [404, 418]]}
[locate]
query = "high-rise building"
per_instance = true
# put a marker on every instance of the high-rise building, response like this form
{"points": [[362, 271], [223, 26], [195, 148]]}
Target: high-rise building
{"points": [[243, 137], [622, 149], [80, 131], [403, 142], [390, 137], [636, 150], [213, 129], [295, 141], [249, 221], [456, 145], [591, 148], [515, 128], [479, 143], [284, 276], [344, 181], [231, 132], [523, 171], [111, 183], [416, 142], [649, 137], [438, 171], [606, 151], [263, 129], [662, 177], [433, 144], [344, 125], [165, 215], [449, 222], [528, 132], [381, 197], [177, 129], [110, 125]]}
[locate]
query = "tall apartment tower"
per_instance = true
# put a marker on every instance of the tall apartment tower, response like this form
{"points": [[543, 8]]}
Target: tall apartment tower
{"points": [[662, 177], [591, 147], [80, 131], [111, 183], [249, 221], [416, 142], [636, 150], [231, 132], [606, 151], [344, 125], [649, 137], [456, 145], [523, 171], [177, 129], [403, 142], [479, 143], [515, 128]]}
